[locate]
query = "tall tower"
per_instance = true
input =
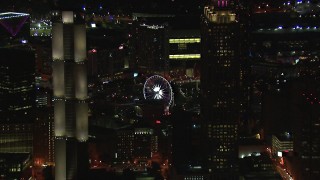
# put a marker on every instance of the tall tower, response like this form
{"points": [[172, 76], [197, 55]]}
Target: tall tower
{"points": [[17, 99], [220, 89], [70, 94], [151, 46]]}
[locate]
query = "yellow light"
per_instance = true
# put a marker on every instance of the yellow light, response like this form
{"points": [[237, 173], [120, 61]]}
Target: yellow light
{"points": [[187, 40], [184, 56]]}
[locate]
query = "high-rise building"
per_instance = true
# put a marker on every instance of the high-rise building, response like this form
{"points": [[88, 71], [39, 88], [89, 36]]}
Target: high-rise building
{"points": [[43, 137], [92, 63], [12, 165], [186, 144], [70, 95], [17, 99], [151, 47], [306, 142], [17, 90], [165, 42], [184, 51], [136, 144], [220, 86]]}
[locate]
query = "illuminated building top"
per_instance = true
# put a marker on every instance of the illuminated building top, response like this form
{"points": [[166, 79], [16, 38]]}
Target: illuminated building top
{"points": [[184, 40], [8, 15], [13, 27], [221, 3], [67, 17], [219, 16], [153, 26]]}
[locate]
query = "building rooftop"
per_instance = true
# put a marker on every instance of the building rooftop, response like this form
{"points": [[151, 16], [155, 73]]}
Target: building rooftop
{"points": [[8, 15], [284, 136], [14, 157]]}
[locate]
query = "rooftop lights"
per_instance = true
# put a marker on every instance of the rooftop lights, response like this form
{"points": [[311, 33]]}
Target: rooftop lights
{"points": [[13, 21], [8, 15]]}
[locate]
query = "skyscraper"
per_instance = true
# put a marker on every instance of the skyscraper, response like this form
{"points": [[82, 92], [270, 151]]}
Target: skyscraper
{"points": [[17, 99], [220, 86], [186, 144], [70, 94], [151, 46], [306, 127]]}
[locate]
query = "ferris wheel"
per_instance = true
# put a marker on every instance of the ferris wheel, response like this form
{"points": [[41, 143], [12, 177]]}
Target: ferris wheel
{"points": [[158, 88]]}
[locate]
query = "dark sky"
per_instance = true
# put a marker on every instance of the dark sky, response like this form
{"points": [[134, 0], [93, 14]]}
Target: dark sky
{"points": [[114, 6]]}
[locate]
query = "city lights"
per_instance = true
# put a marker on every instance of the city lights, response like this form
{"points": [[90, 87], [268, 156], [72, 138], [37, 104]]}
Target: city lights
{"points": [[180, 90]]}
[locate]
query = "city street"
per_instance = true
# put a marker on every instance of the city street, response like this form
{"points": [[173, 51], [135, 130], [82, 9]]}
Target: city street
{"points": [[284, 174]]}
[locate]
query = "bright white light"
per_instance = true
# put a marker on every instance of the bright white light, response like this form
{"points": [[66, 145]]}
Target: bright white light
{"points": [[7, 15], [158, 92], [157, 87], [93, 25]]}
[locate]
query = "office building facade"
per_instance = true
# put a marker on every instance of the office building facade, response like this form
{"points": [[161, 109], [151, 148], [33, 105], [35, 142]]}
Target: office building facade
{"points": [[220, 85], [17, 99], [150, 44], [70, 94]]}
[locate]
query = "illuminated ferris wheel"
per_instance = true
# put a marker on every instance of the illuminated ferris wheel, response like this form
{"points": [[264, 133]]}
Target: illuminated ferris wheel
{"points": [[158, 88]]}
